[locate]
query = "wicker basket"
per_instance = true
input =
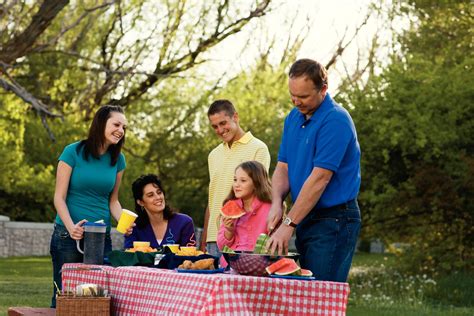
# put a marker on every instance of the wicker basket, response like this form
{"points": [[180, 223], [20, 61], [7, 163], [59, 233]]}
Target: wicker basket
{"points": [[67, 305]]}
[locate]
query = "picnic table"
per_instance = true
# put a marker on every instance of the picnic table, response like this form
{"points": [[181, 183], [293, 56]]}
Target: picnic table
{"points": [[153, 291]]}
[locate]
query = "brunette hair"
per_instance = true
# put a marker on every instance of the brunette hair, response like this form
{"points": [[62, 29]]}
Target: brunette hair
{"points": [[137, 190], [261, 181], [221, 106], [96, 139], [311, 69]]}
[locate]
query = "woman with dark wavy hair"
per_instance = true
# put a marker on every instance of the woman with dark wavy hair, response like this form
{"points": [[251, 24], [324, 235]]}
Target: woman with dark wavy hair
{"points": [[156, 221]]}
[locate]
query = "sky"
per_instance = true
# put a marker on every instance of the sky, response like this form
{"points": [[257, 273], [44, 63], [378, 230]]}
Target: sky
{"points": [[325, 21]]}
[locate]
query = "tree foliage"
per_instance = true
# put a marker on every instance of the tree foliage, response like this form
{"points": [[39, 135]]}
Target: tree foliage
{"points": [[66, 58], [414, 118], [415, 122]]}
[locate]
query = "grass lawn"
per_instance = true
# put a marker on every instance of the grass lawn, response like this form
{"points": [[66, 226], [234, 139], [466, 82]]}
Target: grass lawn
{"points": [[25, 282], [376, 288]]}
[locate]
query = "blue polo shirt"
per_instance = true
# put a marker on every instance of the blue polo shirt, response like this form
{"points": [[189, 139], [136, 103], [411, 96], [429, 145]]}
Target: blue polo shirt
{"points": [[327, 140]]}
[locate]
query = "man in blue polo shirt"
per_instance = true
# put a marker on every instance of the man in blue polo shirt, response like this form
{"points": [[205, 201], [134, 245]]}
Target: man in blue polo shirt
{"points": [[319, 164]]}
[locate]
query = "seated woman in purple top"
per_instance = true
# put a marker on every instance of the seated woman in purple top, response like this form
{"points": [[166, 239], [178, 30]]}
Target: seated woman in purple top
{"points": [[156, 222]]}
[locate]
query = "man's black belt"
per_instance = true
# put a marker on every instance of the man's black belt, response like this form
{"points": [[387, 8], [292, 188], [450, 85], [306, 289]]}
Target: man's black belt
{"points": [[340, 207]]}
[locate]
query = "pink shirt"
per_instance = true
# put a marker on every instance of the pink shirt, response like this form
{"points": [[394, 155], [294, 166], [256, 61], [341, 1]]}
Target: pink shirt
{"points": [[247, 228]]}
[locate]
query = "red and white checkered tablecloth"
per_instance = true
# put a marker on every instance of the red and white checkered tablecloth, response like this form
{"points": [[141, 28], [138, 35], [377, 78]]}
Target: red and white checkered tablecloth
{"points": [[151, 291]]}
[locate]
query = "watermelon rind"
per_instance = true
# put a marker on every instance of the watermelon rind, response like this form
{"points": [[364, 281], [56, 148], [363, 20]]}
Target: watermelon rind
{"points": [[306, 272], [288, 270], [260, 244], [280, 264], [303, 272]]}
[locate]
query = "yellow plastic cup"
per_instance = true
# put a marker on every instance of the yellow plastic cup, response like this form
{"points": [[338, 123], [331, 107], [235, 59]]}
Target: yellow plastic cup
{"points": [[173, 247], [127, 218]]}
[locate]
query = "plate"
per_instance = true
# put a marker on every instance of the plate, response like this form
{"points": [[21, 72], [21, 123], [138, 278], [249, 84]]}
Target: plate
{"points": [[294, 277], [220, 270]]}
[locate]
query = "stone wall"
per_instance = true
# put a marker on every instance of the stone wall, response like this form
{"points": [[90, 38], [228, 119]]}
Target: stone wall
{"points": [[19, 239], [32, 239], [24, 238]]}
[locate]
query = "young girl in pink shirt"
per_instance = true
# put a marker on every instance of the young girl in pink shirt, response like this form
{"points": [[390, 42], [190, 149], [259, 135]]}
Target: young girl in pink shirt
{"points": [[251, 191]]}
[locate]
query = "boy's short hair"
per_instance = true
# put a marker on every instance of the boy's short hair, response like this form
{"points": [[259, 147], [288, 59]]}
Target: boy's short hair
{"points": [[221, 106]]}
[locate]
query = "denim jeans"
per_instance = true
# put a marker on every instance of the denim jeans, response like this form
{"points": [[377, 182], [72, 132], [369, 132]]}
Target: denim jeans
{"points": [[326, 241], [212, 249], [63, 250]]}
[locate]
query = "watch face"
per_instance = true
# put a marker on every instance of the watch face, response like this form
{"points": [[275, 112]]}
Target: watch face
{"points": [[288, 222]]}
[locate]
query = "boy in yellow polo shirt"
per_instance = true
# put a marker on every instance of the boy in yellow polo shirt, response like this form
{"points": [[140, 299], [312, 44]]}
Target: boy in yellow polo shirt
{"points": [[238, 146]]}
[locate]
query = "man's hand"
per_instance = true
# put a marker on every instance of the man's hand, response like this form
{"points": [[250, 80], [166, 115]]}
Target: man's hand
{"points": [[77, 230], [274, 216], [279, 240]]}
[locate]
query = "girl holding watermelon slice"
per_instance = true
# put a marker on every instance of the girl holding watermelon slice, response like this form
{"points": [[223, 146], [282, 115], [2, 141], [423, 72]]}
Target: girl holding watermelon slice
{"points": [[245, 209]]}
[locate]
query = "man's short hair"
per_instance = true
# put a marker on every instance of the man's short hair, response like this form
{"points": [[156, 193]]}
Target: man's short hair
{"points": [[312, 69], [220, 106]]}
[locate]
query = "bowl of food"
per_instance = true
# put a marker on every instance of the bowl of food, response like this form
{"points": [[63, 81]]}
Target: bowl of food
{"points": [[249, 263]]}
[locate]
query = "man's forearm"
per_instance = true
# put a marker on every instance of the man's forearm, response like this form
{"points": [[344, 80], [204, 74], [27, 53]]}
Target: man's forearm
{"points": [[310, 194]]}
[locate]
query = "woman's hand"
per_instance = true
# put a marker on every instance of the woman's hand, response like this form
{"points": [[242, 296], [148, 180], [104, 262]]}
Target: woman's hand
{"points": [[77, 231], [130, 230]]}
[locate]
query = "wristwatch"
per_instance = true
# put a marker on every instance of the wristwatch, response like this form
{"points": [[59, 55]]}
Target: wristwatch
{"points": [[288, 222]]}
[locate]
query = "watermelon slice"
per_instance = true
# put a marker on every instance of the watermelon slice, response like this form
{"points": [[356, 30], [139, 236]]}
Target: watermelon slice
{"points": [[260, 244], [227, 249], [288, 269], [232, 210], [305, 272], [280, 265]]}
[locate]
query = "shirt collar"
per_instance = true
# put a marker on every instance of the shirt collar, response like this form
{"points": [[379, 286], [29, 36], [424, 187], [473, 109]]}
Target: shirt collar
{"points": [[256, 203], [321, 109], [244, 139]]}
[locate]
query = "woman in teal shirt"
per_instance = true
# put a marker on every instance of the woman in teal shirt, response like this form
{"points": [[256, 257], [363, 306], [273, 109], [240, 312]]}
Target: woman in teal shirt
{"points": [[87, 185]]}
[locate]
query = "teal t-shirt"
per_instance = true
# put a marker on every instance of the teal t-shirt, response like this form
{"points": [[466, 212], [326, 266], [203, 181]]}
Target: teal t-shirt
{"points": [[91, 184]]}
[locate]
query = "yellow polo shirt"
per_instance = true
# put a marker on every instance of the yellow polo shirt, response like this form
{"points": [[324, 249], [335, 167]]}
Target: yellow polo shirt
{"points": [[222, 162]]}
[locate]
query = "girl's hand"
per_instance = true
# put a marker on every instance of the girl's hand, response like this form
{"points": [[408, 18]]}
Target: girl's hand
{"points": [[229, 223], [77, 230], [229, 226], [130, 230]]}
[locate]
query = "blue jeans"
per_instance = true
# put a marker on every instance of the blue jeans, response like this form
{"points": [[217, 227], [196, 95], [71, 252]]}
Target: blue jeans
{"points": [[326, 241], [63, 250], [213, 250]]}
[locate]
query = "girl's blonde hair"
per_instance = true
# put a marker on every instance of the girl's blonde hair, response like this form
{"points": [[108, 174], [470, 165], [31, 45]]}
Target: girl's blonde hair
{"points": [[261, 181]]}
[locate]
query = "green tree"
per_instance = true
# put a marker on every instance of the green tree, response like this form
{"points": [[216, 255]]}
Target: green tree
{"points": [[415, 122], [25, 188], [66, 58], [260, 95]]}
